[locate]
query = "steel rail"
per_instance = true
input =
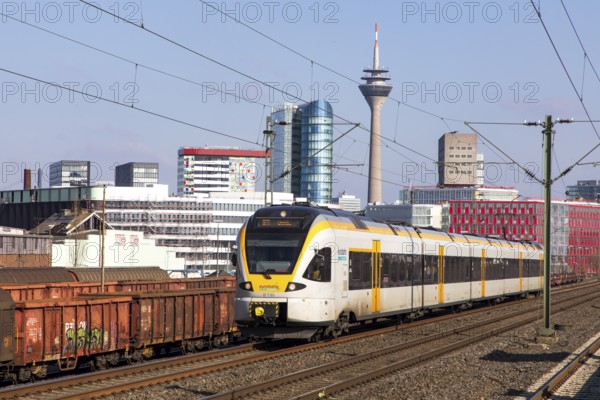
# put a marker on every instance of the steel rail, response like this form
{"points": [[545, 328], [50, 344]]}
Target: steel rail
{"points": [[546, 390]]}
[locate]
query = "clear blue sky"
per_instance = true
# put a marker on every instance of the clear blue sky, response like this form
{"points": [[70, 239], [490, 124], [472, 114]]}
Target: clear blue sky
{"points": [[460, 61]]}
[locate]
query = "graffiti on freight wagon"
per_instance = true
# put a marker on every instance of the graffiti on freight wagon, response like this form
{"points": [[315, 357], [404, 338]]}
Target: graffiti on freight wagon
{"points": [[82, 337]]}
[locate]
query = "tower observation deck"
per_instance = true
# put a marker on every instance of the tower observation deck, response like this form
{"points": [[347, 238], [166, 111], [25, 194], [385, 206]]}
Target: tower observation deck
{"points": [[375, 91]]}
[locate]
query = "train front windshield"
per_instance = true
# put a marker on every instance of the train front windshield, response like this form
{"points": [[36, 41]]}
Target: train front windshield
{"points": [[270, 254]]}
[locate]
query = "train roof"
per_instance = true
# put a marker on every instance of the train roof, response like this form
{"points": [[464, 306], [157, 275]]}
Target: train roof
{"points": [[86, 274], [28, 275], [309, 212]]}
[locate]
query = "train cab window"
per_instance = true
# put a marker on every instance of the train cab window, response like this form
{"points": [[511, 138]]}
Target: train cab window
{"points": [[319, 268], [272, 255]]}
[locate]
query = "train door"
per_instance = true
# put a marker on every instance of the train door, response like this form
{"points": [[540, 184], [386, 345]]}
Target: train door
{"points": [[520, 271], [440, 294], [482, 273], [343, 255], [418, 292], [376, 277]]}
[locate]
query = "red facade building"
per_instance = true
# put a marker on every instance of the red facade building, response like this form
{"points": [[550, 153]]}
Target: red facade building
{"points": [[575, 228]]}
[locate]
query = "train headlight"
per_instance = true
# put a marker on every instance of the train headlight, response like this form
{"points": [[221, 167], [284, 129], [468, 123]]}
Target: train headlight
{"points": [[246, 286], [293, 286]]}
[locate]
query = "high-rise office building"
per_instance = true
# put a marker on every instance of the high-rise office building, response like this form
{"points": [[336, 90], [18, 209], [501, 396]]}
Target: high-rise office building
{"points": [[67, 173], [210, 169], [316, 153], [303, 155], [458, 161], [286, 149], [136, 174]]}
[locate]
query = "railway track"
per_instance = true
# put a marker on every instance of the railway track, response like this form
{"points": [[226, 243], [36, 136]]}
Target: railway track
{"points": [[137, 376], [327, 380], [577, 380]]}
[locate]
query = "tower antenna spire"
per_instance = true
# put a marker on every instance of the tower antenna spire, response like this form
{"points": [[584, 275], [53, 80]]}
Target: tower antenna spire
{"points": [[376, 50]]}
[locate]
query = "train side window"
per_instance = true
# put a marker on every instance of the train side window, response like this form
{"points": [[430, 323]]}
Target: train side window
{"points": [[404, 270], [355, 271], [386, 270], [475, 269], [319, 268], [430, 270], [395, 267], [367, 270], [417, 269]]}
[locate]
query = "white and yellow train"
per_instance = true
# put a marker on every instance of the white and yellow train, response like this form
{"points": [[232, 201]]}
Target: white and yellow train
{"points": [[308, 272]]}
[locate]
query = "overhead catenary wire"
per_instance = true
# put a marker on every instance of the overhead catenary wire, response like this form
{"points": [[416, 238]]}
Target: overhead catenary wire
{"points": [[138, 109], [312, 61], [585, 53], [137, 64], [112, 101], [187, 80], [589, 118], [266, 84], [526, 170], [539, 14]]}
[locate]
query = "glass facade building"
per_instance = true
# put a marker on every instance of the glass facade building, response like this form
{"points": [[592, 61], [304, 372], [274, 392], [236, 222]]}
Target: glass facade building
{"points": [[286, 149], [586, 190], [136, 174], [302, 153], [316, 152], [67, 173]]}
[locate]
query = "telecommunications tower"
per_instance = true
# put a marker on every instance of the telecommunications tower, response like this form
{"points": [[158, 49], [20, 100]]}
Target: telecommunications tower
{"points": [[375, 91]]}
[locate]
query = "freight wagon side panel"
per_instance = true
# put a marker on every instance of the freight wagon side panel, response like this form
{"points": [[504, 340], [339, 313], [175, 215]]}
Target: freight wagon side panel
{"points": [[170, 316], [99, 316], [209, 313], [7, 326], [69, 331], [52, 332], [192, 319], [179, 319], [144, 321], [198, 314], [226, 300], [160, 328], [122, 330], [29, 334]]}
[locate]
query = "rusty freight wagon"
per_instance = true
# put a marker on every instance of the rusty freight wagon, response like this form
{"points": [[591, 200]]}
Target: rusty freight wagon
{"points": [[61, 332], [28, 291], [192, 319], [103, 330]]}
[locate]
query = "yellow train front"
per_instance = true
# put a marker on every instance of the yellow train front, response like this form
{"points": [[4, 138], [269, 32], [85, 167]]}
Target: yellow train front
{"points": [[308, 272]]}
